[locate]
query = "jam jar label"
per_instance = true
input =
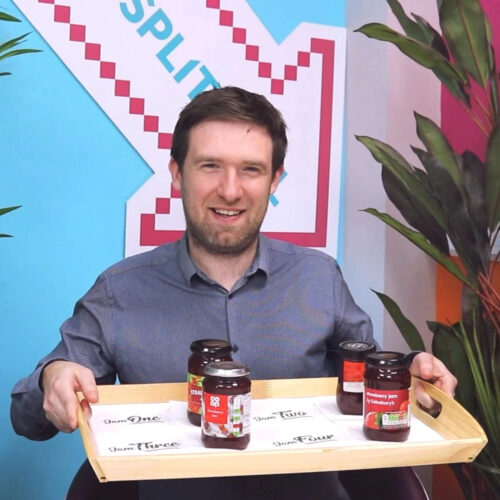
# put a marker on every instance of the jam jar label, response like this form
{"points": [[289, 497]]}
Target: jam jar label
{"points": [[353, 373], [387, 410], [195, 391], [226, 416]]}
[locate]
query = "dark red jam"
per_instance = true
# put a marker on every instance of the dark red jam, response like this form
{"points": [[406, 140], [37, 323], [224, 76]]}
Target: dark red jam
{"points": [[225, 419], [203, 351], [351, 378], [386, 415]]}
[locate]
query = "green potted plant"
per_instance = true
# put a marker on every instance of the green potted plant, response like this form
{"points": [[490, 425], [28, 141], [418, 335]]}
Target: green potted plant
{"points": [[9, 49], [453, 199]]}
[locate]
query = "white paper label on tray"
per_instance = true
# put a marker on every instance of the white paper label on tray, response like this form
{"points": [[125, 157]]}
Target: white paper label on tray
{"points": [[136, 430], [276, 424]]}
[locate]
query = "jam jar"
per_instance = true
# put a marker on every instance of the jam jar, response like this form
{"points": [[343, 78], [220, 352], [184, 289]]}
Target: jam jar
{"points": [[203, 351], [226, 401], [386, 415], [351, 378]]}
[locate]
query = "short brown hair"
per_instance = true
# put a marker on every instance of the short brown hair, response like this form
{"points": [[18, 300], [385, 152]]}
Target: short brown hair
{"points": [[231, 104]]}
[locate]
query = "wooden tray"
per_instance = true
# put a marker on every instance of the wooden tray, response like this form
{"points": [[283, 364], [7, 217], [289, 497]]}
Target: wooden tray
{"points": [[463, 439]]}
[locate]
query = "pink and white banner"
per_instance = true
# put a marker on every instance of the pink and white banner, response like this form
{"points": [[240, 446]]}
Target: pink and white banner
{"points": [[143, 60]]}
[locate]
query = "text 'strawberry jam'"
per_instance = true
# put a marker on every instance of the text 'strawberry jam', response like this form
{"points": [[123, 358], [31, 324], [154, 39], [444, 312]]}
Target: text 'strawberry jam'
{"points": [[386, 415], [351, 378], [203, 351], [226, 403]]}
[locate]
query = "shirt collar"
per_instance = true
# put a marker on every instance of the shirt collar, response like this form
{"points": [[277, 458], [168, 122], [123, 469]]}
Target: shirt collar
{"points": [[189, 269]]}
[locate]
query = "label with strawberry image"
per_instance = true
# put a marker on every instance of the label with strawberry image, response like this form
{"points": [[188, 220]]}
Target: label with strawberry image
{"points": [[195, 391], [387, 410], [226, 416]]}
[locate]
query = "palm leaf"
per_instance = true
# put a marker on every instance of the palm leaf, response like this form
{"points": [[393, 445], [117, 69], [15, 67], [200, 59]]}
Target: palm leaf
{"points": [[474, 181], [12, 43], [410, 27], [418, 51], [420, 241], [435, 40], [405, 326], [18, 52], [465, 27], [4, 211], [8, 17], [406, 175], [437, 145], [460, 226], [493, 178], [449, 349], [413, 211]]}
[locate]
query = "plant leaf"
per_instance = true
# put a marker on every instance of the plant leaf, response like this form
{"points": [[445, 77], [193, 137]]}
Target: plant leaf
{"points": [[406, 174], [410, 27], [413, 211], [418, 51], [435, 40], [474, 181], [465, 27], [437, 145], [461, 228], [493, 178], [420, 241], [449, 349], [18, 52], [8, 209], [405, 326], [432, 37], [12, 43], [8, 17]]}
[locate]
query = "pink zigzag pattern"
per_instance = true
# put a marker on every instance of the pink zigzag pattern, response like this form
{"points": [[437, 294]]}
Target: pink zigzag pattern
{"points": [[264, 69], [137, 105]]}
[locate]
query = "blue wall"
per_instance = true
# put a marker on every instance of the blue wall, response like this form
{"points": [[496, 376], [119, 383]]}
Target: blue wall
{"points": [[72, 171]]}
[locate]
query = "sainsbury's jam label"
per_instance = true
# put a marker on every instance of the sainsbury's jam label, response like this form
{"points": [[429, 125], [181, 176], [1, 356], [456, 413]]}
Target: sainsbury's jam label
{"points": [[353, 373], [226, 416], [387, 410], [195, 391]]}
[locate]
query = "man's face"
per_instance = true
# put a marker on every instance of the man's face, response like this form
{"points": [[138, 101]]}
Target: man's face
{"points": [[225, 183]]}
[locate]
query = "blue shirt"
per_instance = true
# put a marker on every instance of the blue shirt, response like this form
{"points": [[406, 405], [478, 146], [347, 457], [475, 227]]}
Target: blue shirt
{"points": [[284, 318]]}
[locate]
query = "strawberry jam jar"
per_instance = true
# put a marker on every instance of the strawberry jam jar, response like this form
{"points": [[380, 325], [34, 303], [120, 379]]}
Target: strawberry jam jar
{"points": [[350, 384], [203, 351], [225, 421], [386, 412]]}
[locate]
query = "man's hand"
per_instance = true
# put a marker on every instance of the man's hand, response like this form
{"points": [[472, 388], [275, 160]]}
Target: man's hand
{"points": [[60, 381], [429, 368]]}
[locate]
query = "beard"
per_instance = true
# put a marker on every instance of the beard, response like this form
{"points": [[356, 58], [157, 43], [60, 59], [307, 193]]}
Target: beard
{"points": [[227, 243]]}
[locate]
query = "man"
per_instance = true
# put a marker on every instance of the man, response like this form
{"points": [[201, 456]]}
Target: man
{"points": [[283, 308]]}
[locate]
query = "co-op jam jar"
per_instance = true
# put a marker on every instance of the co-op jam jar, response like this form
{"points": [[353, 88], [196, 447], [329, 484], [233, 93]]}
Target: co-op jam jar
{"points": [[352, 372], [203, 351], [386, 415], [226, 406]]}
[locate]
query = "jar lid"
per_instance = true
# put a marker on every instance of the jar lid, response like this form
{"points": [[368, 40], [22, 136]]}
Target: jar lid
{"points": [[356, 351], [387, 358], [226, 369], [210, 346]]}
